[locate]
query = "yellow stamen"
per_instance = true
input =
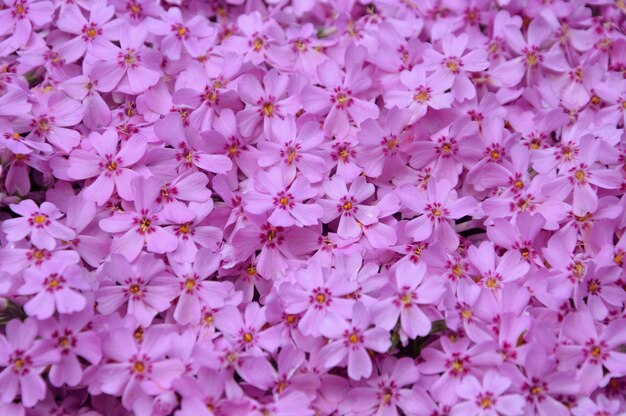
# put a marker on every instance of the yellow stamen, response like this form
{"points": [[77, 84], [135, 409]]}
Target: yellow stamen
{"points": [[19, 364], [580, 175], [257, 44], [42, 125], [421, 96], [138, 334], [145, 225], [391, 144], [492, 283], [139, 367], [342, 98], [406, 299], [485, 403]]}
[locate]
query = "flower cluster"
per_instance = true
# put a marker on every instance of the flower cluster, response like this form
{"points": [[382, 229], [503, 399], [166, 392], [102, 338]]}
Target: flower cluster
{"points": [[301, 207]]}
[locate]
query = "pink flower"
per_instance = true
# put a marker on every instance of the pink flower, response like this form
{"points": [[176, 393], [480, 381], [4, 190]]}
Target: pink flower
{"points": [[246, 332], [190, 151], [341, 100], [54, 286], [294, 149], [454, 363], [487, 398], [24, 359], [436, 206], [510, 266], [97, 112], [14, 142], [207, 92], [532, 51], [318, 294], [193, 236], [346, 204], [178, 33], [260, 36], [186, 188], [285, 201], [412, 290], [302, 55], [417, 92], [18, 19], [196, 290], [277, 245], [52, 116], [582, 176], [72, 340], [144, 287], [131, 368], [352, 340], [541, 384], [132, 67], [447, 151], [264, 103], [382, 148], [112, 167], [90, 33], [141, 227], [592, 350], [389, 391], [601, 406], [224, 138], [455, 64], [39, 223]]}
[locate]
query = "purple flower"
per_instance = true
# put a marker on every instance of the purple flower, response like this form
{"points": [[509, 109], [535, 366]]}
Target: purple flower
{"points": [[55, 286], [24, 359], [111, 167], [39, 223], [144, 287], [352, 339]]}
